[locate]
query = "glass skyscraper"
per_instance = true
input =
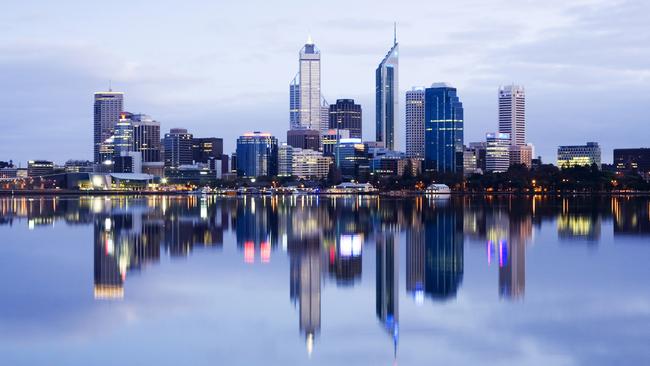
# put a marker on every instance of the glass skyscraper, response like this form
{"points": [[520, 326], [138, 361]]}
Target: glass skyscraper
{"points": [[257, 155], [305, 101], [443, 125], [386, 98]]}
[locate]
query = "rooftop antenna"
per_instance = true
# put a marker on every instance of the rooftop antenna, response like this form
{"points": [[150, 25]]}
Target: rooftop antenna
{"points": [[110, 85], [394, 33]]}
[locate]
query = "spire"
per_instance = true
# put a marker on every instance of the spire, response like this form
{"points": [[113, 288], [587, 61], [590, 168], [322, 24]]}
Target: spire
{"points": [[309, 40], [394, 33], [110, 85]]}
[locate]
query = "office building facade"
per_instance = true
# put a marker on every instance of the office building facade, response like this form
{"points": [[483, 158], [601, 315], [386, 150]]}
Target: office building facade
{"points": [[497, 152], [107, 109], [349, 155], [521, 155], [305, 101], [302, 163], [38, 168], [512, 113], [178, 148], [257, 155], [346, 115], [304, 139], [386, 99], [331, 138], [579, 155], [206, 148], [444, 124], [146, 137], [415, 123]]}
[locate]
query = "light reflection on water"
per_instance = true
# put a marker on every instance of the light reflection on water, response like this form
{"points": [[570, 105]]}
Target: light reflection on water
{"points": [[451, 272]]}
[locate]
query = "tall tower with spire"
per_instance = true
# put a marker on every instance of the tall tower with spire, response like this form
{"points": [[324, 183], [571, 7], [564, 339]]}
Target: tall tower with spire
{"points": [[386, 98], [305, 101]]}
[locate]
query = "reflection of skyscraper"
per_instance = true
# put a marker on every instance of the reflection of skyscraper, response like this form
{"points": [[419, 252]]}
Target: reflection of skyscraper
{"points": [[108, 279], [512, 269], [415, 262], [387, 284], [345, 260], [305, 284], [444, 265]]}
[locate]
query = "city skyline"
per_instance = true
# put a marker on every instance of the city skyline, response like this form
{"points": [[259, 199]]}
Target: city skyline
{"points": [[174, 94]]}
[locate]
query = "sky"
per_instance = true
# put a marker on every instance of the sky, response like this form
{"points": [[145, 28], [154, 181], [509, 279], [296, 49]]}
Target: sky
{"points": [[223, 68]]}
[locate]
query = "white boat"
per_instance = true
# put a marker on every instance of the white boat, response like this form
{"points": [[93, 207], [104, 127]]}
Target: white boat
{"points": [[437, 188]]}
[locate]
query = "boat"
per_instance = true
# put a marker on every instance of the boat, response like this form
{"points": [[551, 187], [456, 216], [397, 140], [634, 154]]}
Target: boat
{"points": [[437, 188]]}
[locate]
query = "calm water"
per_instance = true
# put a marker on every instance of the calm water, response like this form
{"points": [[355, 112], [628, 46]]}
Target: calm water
{"points": [[324, 281]]}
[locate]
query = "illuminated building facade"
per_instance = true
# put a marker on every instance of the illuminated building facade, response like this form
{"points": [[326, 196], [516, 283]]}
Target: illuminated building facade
{"points": [[178, 148], [386, 99], [497, 152], [107, 109], [633, 161], [146, 137], [330, 138], [512, 113], [205, 148], [304, 139], [257, 155], [350, 155], [579, 155], [38, 168], [521, 155], [305, 101], [346, 115], [415, 123], [443, 123]]}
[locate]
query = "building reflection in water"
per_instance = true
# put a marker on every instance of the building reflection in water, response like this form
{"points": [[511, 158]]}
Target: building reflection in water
{"points": [[387, 284], [325, 238]]}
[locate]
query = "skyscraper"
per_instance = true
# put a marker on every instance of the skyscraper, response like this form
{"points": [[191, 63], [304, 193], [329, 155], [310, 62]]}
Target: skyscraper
{"points": [[386, 99], [107, 109], [123, 135], [146, 137], [257, 155], [178, 148], [415, 122], [305, 102], [443, 123], [512, 113], [346, 115]]}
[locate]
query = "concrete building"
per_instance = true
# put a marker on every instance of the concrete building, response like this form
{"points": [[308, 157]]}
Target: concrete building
{"points": [[331, 138], [497, 154], [578, 155], [146, 137], [302, 163], [107, 108], [521, 154], [305, 101], [633, 161], [512, 113], [415, 123], [38, 168]]}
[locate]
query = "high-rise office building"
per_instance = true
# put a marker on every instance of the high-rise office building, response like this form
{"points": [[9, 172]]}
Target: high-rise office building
{"points": [[178, 148], [257, 155], [497, 154], [415, 123], [107, 109], [204, 148], [123, 135], [146, 137], [305, 101], [512, 113], [578, 155], [304, 139], [386, 99], [346, 115], [443, 123]]}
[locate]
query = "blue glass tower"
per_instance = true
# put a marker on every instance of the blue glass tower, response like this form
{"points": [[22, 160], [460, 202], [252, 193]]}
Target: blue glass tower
{"points": [[443, 129], [257, 155]]}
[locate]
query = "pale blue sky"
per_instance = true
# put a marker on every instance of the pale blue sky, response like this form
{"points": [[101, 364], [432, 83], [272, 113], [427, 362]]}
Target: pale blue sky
{"points": [[222, 69]]}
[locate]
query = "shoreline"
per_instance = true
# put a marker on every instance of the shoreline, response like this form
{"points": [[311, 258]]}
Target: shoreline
{"points": [[388, 194]]}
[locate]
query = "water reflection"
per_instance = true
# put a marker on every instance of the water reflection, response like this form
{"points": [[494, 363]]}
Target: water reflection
{"points": [[325, 240]]}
